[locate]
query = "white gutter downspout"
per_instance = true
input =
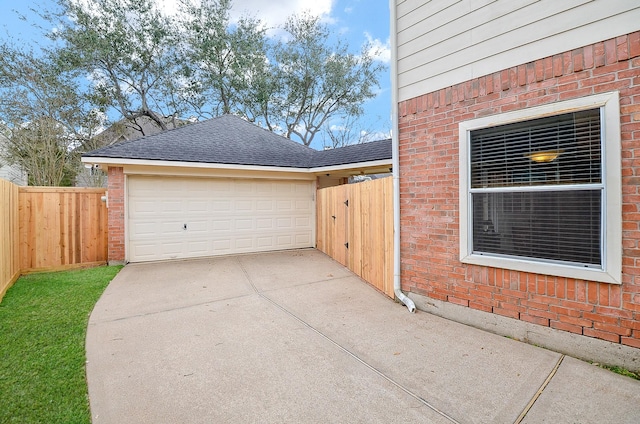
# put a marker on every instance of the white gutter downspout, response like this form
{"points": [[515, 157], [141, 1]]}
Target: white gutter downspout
{"points": [[396, 162]]}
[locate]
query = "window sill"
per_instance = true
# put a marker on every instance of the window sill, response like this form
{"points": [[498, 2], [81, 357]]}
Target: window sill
{"points": [[544, 268]]}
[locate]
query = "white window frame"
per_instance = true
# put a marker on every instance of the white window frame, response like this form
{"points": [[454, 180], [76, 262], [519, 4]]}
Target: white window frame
{"points": [[611, 270]]}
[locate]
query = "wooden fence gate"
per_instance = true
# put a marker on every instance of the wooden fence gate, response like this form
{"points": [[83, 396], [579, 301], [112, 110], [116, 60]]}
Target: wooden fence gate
{"points": [[355, 227]]}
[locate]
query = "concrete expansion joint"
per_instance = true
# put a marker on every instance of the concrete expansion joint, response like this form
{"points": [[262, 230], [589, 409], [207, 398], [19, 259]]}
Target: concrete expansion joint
{"points": [[162, 311], [405, 389], [247, 276], [345, 350], [309, 283], [539, 392]]}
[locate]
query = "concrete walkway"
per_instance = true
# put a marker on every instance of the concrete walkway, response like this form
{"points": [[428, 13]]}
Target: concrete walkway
{"points": [[294, 337]]}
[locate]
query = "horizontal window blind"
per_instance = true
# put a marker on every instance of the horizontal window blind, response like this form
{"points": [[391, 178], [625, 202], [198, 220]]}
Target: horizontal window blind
{"points": [[563, 149], [513, 214], [553, 225]]}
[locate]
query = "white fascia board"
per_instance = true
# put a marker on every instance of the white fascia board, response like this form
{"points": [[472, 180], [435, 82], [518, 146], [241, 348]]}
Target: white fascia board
{"points": [[177, 164], [146, 162], [347, 166]]}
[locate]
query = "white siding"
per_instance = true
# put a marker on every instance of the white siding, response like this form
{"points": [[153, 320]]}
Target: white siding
{"points": [[445, 42], [13, 174]]}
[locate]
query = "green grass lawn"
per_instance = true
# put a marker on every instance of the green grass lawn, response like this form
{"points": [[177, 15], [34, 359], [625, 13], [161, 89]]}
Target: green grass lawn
{"points": [[43, 323]]}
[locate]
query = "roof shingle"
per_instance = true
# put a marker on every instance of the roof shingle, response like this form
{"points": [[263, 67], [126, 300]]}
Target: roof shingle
{"points": [[231, 140]]}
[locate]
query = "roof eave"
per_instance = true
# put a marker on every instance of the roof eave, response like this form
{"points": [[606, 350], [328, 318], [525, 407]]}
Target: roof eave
{"points": [[106, 161], [344, 167]]}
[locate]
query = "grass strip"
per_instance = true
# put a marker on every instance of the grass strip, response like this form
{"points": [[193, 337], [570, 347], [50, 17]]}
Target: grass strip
{"points": [[622, 371], [43, 324]]}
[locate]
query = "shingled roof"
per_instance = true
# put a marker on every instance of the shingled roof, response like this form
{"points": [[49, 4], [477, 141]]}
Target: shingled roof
{"points": [[231, 140], [356, 153]]}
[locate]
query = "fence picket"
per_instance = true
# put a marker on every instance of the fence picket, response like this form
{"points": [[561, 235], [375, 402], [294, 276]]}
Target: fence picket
{"points": [[367, 225], [9, 242], [50, 228]]}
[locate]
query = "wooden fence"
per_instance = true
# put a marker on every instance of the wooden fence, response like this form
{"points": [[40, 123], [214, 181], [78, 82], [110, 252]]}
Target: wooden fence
{"points": [[355, 227], [50, 228], [9, 242]]}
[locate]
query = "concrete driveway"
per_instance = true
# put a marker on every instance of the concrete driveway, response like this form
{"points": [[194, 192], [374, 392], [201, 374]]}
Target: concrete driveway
{"points": [[294, 337]]}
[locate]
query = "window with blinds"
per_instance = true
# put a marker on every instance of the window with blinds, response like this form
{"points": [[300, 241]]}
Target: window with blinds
{"points": [[536, 189]]}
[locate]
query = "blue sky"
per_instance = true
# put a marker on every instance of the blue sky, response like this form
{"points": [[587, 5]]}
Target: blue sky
{"points": [[356, 21]]}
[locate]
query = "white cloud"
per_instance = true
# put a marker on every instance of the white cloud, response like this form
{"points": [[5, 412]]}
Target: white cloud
{"points": [[381, 51], [272, 13]]}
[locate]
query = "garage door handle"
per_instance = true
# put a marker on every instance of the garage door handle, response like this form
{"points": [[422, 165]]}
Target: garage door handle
{"points": [[184, 226]]}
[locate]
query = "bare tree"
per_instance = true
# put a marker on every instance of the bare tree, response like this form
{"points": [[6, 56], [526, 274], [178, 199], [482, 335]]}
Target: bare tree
{"points": [[41, 149], [352, 130]]}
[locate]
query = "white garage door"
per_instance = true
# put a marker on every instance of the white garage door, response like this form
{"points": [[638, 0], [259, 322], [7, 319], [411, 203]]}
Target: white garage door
{"points": [[173, 218]]}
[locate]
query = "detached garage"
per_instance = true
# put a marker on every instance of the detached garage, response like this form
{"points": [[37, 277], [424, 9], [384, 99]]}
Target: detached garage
{"points": [[222, 186]]}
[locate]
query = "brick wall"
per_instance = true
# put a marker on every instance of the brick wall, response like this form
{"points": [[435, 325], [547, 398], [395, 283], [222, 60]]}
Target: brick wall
{"points": [[429, 146], [116, 214]]}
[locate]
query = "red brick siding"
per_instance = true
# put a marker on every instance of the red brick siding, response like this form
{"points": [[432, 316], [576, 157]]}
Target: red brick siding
{"points": [[428, 136], [116, 214]]}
